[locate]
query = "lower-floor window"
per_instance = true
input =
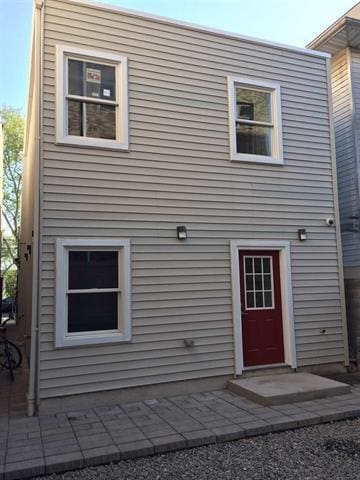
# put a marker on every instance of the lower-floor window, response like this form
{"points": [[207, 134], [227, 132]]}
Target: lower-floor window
{"points": [[92, 291]]}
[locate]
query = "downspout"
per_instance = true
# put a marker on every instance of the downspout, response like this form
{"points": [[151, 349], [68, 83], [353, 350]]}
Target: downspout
{"points": [[337, 218], [33, 369]]}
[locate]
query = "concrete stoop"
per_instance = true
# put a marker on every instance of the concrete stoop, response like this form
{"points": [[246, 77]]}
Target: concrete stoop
{"points": [[287, 388]]}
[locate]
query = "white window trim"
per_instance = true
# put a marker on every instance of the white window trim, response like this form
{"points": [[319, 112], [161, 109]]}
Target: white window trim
{"points": [[277, 144], [286, 298], [122, 122], [123, 334]]}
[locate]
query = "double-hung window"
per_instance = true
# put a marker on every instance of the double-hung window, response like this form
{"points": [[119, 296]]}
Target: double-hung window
{"points": [[255, 121], [92, 291], [91, 98]]}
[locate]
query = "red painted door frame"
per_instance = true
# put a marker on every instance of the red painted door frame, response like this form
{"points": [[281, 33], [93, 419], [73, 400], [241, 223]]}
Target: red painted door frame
{"points": [[262, 328]]}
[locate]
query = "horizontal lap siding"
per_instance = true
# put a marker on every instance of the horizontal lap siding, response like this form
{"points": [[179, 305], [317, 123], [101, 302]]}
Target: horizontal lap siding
{"points": [[346, 154], [178, 172], [352, 169]]}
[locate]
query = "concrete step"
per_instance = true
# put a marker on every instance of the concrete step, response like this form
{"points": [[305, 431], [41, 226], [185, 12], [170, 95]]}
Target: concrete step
{"points": [[287, 388]]}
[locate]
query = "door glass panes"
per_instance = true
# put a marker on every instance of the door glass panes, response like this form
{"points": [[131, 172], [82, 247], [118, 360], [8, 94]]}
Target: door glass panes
{"points": [[258, 282]]}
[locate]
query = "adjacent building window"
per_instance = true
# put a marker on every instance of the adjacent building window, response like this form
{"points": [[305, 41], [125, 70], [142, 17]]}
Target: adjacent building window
{"points": [[92, 291], [91, 103], [255, 121]]}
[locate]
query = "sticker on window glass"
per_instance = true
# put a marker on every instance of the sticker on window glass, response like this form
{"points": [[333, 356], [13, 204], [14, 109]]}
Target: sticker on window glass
{"points": [[93, 75], [106, 92]]}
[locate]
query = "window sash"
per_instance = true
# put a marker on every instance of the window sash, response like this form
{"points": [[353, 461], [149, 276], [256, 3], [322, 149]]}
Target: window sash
{"points": [[91, 60], [94, 290], [85, 99], [254, 122], [90, 333], [77, 291]]}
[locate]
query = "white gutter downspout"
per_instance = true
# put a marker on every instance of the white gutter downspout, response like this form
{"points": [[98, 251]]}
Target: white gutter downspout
{"points": [[38, 31]]}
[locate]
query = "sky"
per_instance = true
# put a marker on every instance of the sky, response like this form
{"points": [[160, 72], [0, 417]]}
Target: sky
{"points": [[293, 22]]}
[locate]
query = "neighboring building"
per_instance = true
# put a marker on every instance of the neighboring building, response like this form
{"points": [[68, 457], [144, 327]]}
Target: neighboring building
{"points": [[342, 41], [142, 131]]}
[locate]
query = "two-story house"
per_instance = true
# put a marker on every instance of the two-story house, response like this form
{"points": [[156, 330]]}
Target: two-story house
{"points": [[178, 207]]}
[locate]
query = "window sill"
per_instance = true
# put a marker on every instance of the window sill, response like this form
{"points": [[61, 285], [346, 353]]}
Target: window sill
{"points": [[91, 339], [92, 143], [244, 157]]}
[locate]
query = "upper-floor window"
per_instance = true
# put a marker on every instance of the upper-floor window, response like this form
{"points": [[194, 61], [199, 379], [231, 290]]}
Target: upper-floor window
{"points": [[91, 102], [255, 121]]}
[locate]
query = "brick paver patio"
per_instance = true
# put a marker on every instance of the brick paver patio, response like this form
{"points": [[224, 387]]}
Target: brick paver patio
{"points": [[64, 441]]}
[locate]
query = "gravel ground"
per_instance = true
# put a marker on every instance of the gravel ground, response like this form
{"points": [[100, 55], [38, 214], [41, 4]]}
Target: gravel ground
{"points": [[326, 452]]}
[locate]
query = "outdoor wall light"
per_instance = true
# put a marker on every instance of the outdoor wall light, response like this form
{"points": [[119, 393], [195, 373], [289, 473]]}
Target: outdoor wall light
{"points": [[302, 234], [181, 232]]}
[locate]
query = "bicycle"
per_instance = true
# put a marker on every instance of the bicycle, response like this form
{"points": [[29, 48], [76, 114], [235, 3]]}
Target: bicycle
{"points": [[10, 354]]}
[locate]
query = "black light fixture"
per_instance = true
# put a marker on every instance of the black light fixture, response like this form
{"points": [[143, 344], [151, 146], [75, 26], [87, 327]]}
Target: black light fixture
{"points": [[181, 232], [302, 234]]}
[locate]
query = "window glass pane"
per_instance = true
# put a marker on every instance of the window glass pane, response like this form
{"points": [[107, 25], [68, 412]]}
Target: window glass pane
{"points": [[268, 299], [249, 282], [250, 300], [266, 265], [257, 263], [248, 265], [100, 121], [88, 312], [91, 80], [253, 105], [75, 68], [258, 282], [267, 282], [259, 299], [74, 118], [100, 81], [253, 139], [93, 270]]}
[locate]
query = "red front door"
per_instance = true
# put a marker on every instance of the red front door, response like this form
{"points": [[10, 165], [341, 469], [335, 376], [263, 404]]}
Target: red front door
{"points": [[261, 311]]}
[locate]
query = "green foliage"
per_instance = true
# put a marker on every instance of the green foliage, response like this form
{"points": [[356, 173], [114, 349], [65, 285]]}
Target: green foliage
{"points": [[13, 129], [10, 283]]}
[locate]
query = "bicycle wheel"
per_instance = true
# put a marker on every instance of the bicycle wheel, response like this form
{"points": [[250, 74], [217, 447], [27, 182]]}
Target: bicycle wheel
{"points": [[9, 352]]}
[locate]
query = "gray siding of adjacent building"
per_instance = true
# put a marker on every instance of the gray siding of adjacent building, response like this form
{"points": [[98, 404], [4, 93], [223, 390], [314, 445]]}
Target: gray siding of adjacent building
{"points": [[178, 172], [346, 103]]}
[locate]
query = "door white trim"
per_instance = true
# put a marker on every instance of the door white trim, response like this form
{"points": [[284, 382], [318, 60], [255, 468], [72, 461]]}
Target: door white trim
{"points": [[283, 247]]}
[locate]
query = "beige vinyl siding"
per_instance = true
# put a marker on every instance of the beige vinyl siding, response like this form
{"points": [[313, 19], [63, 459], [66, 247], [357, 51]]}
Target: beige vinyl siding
{"points": [[346, 153], [178, 172]]}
